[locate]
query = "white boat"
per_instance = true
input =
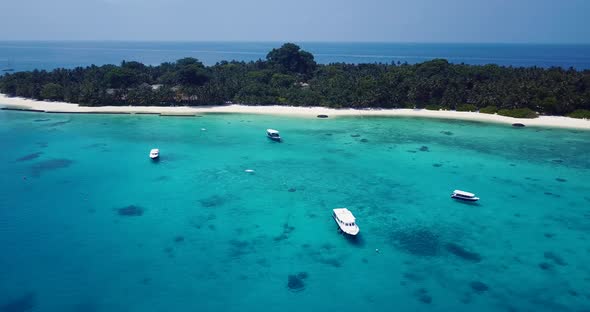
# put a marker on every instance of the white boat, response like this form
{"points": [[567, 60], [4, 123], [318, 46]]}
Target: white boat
{"points": [[273, 134], [462, 195], [154, 153], [346, 221]]}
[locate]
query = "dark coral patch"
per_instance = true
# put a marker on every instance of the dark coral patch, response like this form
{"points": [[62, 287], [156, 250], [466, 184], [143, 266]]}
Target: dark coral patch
{"points": [[59, 123], [364, 140], [24, 303], [287, 229], [29, 156], [423, 296], [212, 201], [302, 275], [447, 132], [413, 276], [179, 239], [424, 148], [240, 248], [131, 211], [295, 282], [355, 135], [331, 261], [418, 241], [41, 120], [545, 266], [479, 287], [555, 258], [437, 165], [462, 253], [291, 190], [560, 180], [48, 165]]}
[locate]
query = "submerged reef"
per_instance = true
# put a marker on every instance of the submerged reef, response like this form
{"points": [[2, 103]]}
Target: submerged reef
{"points": [[29, 157], [48, 165], [545, 266], [462, 253], [423, 296], [179, 239], [479, 287], [212, 201], [287, 229], [295, 282], [24, 303], [555, 258], [418, 241], [130, 211], [59, 123]]}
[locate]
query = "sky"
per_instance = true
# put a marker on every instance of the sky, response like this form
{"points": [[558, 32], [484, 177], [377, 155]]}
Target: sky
{"points": [[457, 21]]}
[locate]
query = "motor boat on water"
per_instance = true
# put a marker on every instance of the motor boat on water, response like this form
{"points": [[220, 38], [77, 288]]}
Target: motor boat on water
{"points": [[346, 221], [462, 195], [273, 135], [154, 153]]}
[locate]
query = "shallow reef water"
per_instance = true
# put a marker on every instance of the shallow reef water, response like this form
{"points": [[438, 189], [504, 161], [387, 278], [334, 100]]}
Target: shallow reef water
{"points": [[89, 223]]}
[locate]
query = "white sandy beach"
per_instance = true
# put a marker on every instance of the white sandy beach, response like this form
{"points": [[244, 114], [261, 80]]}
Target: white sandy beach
{"points": [[543, 121]]}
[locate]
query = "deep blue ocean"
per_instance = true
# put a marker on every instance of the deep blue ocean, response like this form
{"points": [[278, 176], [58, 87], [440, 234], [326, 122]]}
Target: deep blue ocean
{"points": [[24, 55], [89, 223]]}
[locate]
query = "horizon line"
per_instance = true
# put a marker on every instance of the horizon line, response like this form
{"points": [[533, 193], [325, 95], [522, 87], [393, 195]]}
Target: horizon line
{"points": [[292, 41]]}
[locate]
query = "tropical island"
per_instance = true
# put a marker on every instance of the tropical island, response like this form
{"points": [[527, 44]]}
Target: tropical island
{"points": [[290, 76]]}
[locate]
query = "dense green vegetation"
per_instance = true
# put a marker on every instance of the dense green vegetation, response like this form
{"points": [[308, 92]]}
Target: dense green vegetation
{"points": [[488, 109], [580, 113], [291, 76], [518, 112]]}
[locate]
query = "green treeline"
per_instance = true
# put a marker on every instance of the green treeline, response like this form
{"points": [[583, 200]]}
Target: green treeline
{"points": [[290, 76]]}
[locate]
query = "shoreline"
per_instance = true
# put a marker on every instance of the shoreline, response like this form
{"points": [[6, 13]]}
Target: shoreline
{"points": [[16, 103]]}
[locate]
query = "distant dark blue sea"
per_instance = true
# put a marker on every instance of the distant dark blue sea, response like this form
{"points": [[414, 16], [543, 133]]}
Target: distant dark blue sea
{"points": [[27, 55]]}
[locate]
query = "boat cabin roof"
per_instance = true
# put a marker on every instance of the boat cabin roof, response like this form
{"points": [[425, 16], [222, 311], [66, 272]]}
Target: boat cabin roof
{"points": [[462, 193], [344, 215], [272, 131], [155, 150]]}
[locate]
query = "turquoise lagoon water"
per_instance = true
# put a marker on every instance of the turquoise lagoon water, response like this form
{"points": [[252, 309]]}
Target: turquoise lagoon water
{"points": [[208, 236]]}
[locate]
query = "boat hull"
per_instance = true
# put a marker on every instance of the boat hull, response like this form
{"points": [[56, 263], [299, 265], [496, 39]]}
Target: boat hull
{"points": [[346, 230], [469, 199], [274, 138]]}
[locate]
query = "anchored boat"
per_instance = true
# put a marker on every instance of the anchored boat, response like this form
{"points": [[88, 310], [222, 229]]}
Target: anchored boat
{"points": [[154, 153], [273, 135], [346, 221], [462, 195]]}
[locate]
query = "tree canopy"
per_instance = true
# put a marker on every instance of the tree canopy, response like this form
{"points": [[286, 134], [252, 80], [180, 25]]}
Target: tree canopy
{"points": [[290, 76], [291, 59]]}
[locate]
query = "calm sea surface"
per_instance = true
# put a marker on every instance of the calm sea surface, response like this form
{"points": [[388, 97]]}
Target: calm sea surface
{"points": [[89, 223], [24, 55]]}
